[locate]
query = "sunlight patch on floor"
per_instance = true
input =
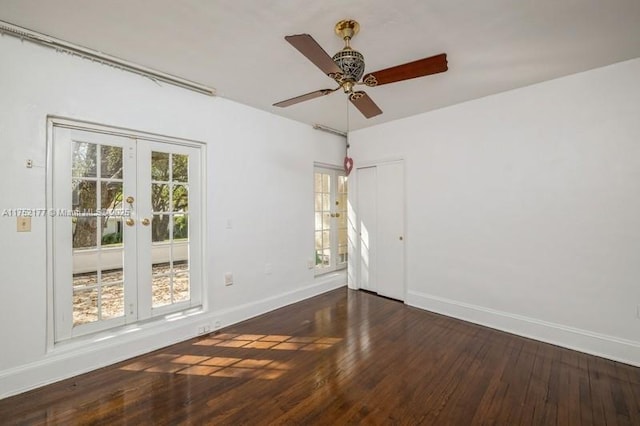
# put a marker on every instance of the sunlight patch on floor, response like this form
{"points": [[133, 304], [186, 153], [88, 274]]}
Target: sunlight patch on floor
{"points": [[234, 367], [269, 341]]}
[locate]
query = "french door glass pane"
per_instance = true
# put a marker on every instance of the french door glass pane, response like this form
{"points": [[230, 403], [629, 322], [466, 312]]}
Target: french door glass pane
{"points": [[330, 202], [111, 162], [170, 228], [181, 287], [160, 166], [342, 211], [180, 168], [112, 301], [84, 159], [97, 244]]}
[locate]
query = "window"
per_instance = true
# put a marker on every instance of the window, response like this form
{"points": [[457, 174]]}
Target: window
{"points": [[330, 191], [126, 230]]}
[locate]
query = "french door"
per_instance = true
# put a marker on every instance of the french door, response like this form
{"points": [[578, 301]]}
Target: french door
{"points": [[331, 243], [126, 230]]}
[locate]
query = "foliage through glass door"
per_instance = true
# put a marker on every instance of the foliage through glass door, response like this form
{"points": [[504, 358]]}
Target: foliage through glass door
{"points": [[330, 192], [127, 240]]}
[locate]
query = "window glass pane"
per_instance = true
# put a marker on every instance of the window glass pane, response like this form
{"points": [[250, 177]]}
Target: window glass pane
{"points": [[318, 240], [181, 287], [84, 196], [161, 290], [326, 257], [326, 221], [180, 168], [111, 263], [110, 195], [180, 198], [160, 227], [317, 182], [326, 183], [318, 205], [111, 231], [342, 184], [84, 231], [180, 227], [181, 261], [112, 301], [84, 279], [326, 202], [342, 202], [326, 240], [85, 306], [318, 226], [160, 201], [84, 159], [110, 162], [160, 166]]}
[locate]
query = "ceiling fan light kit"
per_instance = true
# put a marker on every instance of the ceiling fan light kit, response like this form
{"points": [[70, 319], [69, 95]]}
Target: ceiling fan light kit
{"points": [[347, 68]]}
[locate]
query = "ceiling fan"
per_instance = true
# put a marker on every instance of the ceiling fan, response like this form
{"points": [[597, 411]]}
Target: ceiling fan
{"points": [[347, 67]]}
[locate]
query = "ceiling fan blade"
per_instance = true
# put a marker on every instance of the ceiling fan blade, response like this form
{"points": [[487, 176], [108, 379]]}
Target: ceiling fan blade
{"points": [[302, 98], [316, 54], [419, 68], [365, 104]]}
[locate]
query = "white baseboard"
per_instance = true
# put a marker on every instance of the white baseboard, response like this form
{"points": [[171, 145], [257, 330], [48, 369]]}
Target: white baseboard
{"points": [[64, 363], [614, 348]]}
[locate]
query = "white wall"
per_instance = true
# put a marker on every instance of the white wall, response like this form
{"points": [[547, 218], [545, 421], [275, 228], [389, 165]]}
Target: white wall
{"points": [[259, 175], [523, 209]]}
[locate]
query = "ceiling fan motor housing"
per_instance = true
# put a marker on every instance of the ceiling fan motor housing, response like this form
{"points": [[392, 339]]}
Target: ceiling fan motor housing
{"points": [[351, 62]]}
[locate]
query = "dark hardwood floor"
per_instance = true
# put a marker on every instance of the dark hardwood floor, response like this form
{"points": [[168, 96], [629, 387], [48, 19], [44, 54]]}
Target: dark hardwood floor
{"points": [[345, 357]]}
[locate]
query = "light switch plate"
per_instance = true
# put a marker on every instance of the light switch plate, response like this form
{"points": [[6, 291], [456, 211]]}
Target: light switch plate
{"points": [[24, 224]]}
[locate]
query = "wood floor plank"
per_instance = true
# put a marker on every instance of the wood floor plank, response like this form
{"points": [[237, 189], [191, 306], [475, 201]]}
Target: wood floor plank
{"points": [[344, 357]]}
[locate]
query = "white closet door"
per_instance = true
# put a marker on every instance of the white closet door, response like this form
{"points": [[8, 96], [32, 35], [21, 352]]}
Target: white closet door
{"points": [[390, 238], [367, 227], [380, 224]]}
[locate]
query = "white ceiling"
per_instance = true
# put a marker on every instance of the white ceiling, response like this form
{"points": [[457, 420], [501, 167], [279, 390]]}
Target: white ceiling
{"points": [[237, 46]]}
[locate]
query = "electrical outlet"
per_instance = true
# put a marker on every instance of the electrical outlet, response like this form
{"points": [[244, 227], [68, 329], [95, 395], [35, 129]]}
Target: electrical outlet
{"points": [[204, 329], [310, 263]]}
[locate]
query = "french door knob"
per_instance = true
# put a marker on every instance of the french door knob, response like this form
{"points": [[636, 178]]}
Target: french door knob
{"points": [[130, 222], [130, 199], [145, 221]]}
